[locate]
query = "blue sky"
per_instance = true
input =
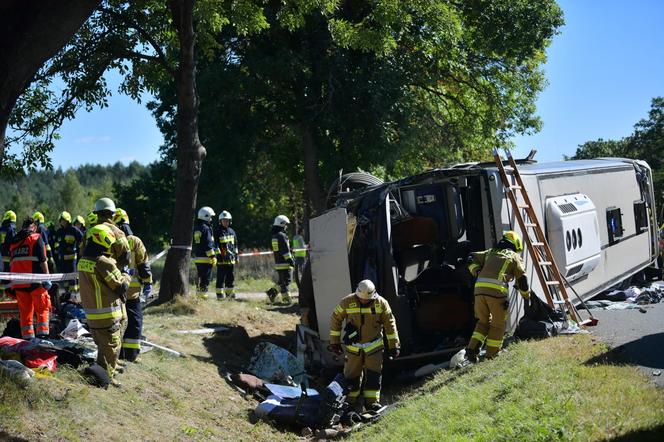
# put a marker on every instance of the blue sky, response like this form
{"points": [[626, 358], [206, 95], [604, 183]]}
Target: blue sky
{"points": [[603, 69]]}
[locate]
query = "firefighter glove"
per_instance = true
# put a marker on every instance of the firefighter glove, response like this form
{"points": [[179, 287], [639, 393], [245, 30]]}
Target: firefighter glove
{"points": [[394, 353], [336, 349]]}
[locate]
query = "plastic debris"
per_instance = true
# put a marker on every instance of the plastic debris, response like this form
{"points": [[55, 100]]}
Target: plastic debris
{"points": [[74, 330], [202, 331], [275, 364]]}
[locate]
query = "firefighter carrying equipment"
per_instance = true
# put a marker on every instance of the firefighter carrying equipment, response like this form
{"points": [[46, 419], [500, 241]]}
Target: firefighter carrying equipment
{"points": [[64, 215], [9, 215], [205, 213], [120, 216], [351, 334], [281, 221], [364, 359], [27, 253], [494, 269], [104, 204]]}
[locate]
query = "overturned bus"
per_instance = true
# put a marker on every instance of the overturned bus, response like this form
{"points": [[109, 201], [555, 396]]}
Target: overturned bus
{"points": [[412, 238]]}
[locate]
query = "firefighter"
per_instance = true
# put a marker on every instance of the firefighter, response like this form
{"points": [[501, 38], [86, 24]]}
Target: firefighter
{"points": [[7, 232], [366, 314], [283, 260], [300, 255], [141, 276], [226, 239], [51, 232], [204, 250], [69, 242], [494, 269], [103, 293], [43, 231], [28, 255], [104, 209], [79, 223]]}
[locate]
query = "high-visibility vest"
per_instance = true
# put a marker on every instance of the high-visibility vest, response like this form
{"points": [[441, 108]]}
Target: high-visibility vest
{"points": [[23, 256]]}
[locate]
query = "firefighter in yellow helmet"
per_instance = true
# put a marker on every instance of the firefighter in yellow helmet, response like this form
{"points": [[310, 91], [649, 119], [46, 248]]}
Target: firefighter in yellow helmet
{"points": [[366, 315], [104, 209], [69, 240], [494, 269], [7, 233], [103, 292], [43, 231]]}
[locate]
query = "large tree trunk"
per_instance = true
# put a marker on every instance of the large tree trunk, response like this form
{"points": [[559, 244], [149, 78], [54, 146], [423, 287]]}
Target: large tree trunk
{"points": [[31, 32], [312, 184], [175, 279]]}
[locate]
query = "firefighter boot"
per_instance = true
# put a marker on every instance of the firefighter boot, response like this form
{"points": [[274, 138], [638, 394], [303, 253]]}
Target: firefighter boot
{"points": [[286, 298]]}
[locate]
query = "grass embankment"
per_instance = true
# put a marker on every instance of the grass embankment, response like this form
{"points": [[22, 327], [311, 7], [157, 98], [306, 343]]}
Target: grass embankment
{"points": [[162, 398], [557, 389]]}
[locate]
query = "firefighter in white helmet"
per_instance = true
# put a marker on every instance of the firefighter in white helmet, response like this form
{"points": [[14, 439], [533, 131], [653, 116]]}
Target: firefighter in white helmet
{"points": [[283, 260], [366, 315], [204, 250], [226, 240]]}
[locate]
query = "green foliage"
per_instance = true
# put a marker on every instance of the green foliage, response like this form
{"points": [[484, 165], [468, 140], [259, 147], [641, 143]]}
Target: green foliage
{"points": [[73, 190]]}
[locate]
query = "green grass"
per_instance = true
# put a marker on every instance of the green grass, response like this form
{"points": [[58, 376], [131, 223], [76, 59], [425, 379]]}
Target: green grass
{"points": [[162, 398], [536, 391]]}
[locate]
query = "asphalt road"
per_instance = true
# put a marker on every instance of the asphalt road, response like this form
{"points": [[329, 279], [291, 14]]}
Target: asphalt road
{"points": [[635, 337]]}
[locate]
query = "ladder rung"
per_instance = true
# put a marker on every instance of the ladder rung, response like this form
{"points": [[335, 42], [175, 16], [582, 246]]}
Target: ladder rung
{"points": [[559, 301], [552, 283], [523, 206], [516, 187], [544, 263], [530, 224], [537, 243]]}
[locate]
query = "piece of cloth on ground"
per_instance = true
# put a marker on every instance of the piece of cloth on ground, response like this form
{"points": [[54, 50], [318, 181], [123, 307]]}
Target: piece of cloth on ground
{"points": [[286, 391], [16, 371], [273, 363], [539, 320], [610, 305], [36, 353]]}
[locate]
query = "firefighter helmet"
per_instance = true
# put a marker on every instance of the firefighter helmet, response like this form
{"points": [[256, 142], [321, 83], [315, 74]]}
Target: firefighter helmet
{"points": [[102, 234], [65, 215], [281, 221], [80, 220], [205, 213], [104, 204], [38, 216], [9, 215], [513, 238], [366, 290], [92, 218], [225, 214], [120, 216]]}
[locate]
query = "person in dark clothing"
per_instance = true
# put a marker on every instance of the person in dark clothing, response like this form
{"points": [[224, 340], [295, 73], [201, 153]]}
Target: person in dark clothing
{"points": [[69, 242], [204, 250], [7, 232], [283, 260], [226, 240]]}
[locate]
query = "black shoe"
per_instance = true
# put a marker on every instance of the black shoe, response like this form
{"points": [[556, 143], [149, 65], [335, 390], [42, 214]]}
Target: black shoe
{"points": [[272, 294], [375, 407], [472, 355]]}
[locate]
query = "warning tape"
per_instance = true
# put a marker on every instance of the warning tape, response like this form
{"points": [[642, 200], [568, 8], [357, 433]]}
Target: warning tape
{"points": [[22, 278]]}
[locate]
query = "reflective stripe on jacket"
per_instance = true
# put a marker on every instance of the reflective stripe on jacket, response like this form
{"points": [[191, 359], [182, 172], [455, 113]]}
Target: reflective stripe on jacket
{"points": [[299, 247], [100, 279], [203, 245], [495, 268], [370, 320], [26, 256], [226, 245]]}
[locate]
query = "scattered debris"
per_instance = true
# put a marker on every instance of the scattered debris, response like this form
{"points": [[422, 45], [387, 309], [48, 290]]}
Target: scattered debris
{"points": [[74, 330], [162, 348], [273, 363], [203, 331], [657, 373], [21, 374]]}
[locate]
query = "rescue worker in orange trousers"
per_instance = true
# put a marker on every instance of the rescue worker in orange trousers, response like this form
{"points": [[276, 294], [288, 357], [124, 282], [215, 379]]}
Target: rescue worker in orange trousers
{"points": [[366, 314], [494, 269], [103, 293], [141, 278], [28, 255]]}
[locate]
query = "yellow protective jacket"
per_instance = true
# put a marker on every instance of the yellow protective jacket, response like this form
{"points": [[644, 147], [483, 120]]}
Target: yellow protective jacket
{"points": [[369, 319], [102, 286], [494, 269], [139, 262]]}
